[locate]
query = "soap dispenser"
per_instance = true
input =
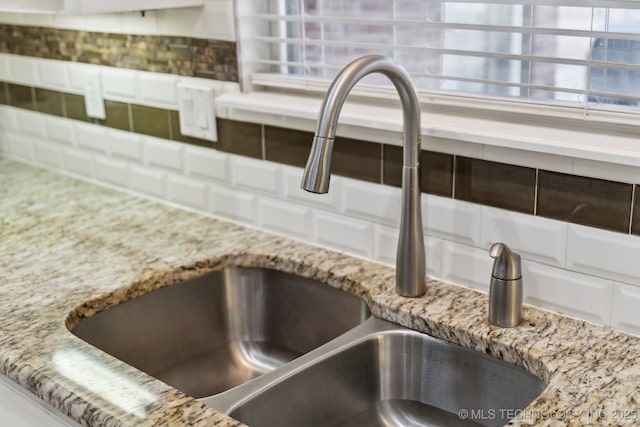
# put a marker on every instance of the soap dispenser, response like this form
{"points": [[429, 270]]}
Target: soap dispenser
{"points": [[505, 290]]}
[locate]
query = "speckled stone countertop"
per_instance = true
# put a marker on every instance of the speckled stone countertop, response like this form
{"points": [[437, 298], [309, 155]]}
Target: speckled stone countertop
{"points": [[64, 242]]}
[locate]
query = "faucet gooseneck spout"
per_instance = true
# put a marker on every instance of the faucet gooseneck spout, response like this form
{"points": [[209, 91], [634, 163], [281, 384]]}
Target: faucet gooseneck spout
{"points": [[410, 258]]}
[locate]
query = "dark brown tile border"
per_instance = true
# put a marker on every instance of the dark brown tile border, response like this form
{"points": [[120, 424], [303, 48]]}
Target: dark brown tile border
{"points": [[151, 121], [436, 169], [118, 115], [240, 138], [21, 96], [635, 218], [287, 146], [49, 102], [495, 184], [587, 201]]}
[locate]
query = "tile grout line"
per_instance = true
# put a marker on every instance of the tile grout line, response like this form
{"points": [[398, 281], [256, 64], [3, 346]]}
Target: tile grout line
{"points": [[633, 200], [535, 193]]}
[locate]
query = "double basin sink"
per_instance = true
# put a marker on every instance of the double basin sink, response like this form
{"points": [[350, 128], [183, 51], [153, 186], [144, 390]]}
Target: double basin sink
{"points": [[274, 349]]}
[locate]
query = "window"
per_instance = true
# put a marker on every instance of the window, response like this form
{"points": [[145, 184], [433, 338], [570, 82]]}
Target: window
{"points": [[560, 52]]}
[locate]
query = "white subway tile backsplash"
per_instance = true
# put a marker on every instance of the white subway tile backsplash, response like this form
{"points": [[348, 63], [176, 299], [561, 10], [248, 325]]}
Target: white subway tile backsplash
{"points": [[348, 234], [5, 74], [187, 191], [161, 152], [78, 162], [603, 253], [31, 123], [8, 119], [385, 244], [513, 156], [92, 137], [79, 74], [48, 154], [624, 313], [533, 237], [111, 171], [5, 137], [216, 21], [205, 162], [466, 265], [282, 217], [177, 22], [433, 247], [147, 180], [451, 219], [125, 144], [575, 294], [255, 175], [233, 204], [73, 22], [60, 130], [292, 190], [21, 146], [605, 170], [159, 90], [137, 23], [119, 84], [375, 202], [106, 22], [52, 74], [23, 70]]}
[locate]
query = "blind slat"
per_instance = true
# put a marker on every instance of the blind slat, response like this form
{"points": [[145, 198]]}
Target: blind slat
{"points": [[543, 51]]}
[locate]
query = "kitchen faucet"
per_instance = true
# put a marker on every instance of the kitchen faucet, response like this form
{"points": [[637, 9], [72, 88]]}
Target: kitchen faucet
{"points": [[410, 258]]}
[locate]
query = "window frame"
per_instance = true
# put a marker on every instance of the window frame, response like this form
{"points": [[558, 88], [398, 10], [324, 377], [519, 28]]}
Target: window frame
{"points": [[612, 144]]}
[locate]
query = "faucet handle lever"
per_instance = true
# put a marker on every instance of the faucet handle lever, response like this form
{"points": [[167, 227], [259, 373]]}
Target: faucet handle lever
{"points": [[507, 264]]}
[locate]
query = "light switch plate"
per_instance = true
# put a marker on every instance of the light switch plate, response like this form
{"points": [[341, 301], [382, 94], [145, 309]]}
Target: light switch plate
{"points": [[196, 109], [93, 99]]}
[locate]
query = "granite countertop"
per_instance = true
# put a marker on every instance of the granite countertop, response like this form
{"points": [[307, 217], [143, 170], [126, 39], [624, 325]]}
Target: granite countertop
{"points": [[64, 242]]}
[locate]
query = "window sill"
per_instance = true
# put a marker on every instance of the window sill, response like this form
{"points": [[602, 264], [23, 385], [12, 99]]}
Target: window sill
{"points": [[606, 155]]}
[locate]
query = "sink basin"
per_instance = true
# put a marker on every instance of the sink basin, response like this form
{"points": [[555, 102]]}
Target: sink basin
{"points": [[217, 331], [392, 376]]}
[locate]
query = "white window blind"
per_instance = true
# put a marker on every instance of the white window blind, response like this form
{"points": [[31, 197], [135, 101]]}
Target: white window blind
{"points": [[581, 53]]}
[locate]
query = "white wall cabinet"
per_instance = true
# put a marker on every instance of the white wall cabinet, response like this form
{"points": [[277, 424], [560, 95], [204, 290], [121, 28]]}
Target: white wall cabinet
{"points": [[19, 408], [86, 7]]}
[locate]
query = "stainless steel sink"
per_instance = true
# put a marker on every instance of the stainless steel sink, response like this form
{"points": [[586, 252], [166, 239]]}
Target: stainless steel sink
{"points": [[220, 330], [381, 374]]}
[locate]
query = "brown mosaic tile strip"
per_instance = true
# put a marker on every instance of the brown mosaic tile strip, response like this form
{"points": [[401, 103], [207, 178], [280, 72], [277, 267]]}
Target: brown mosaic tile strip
{"points": [[495, 184], [587, 201], [436, 169], [184, 56]]}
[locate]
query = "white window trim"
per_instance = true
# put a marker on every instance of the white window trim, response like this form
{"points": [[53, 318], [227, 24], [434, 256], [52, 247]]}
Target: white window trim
{"points": [[555, 138]]}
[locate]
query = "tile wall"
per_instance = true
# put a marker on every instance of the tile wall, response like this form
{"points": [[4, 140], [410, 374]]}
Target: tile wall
{"points": [[576, 234]]}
